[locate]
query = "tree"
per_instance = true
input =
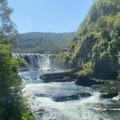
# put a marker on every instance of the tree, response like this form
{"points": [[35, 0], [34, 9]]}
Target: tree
{"points": [[98, 40], [7, 27], [12, 104]]}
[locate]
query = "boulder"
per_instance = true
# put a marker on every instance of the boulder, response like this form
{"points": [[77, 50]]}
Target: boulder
{"points": [[41, 95], [60, 98], [105, 76], [85, 81], [108, 95], [65, 98], [57, 77]]}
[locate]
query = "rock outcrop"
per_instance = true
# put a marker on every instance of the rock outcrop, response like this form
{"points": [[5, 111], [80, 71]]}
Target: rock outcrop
{"points": [[60, 98], [86, 81], [108, 95], [58, 77]]}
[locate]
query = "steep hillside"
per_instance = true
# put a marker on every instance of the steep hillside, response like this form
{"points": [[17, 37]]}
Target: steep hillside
{"points": [[96, 47], [43, 42]]}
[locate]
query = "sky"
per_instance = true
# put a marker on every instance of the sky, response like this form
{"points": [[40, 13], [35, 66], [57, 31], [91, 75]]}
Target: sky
{"points": [[49, 15]]}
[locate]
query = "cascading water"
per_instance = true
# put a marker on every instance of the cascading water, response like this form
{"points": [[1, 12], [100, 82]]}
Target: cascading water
{"points": [[42, 96], [89, 108], [34, 60]]}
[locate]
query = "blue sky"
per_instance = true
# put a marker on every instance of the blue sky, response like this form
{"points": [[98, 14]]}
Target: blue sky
{"points": [[49, 15]]}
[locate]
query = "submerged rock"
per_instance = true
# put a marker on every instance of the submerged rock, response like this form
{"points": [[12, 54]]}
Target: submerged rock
{"points": [[41, 95], [105, 107], [108, 95], [39, 113], [60, 98], [65, 98]]}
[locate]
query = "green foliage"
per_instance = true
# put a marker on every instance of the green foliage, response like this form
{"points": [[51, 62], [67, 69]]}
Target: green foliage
{"points": [[27, 116], [12, 104], [98, 39], [43, 42], [63, 59], [87, 69], [119, 57], [7, 27]]}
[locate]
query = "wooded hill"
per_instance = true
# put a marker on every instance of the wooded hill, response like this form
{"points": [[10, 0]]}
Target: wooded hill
{"points": [[96, 47], [43, 42]]}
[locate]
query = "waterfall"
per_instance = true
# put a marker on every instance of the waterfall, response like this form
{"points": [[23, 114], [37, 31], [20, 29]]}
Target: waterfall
{"points": [[34, 60]]}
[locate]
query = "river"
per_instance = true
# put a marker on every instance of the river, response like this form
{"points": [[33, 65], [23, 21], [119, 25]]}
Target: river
{"points": [[42, 99]]}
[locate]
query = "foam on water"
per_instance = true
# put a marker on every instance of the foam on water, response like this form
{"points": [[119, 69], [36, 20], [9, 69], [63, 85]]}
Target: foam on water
{"points": [[90, 108], [69, 110], [34, 60]]}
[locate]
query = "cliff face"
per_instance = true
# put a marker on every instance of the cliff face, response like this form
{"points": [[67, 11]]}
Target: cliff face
{"points": [[96, 46]]}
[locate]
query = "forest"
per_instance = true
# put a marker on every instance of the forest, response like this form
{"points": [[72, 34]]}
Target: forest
{"points": [[43, 42], [96, 47]]}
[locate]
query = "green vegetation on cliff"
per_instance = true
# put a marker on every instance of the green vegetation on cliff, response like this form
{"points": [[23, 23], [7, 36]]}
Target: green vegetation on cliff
{"points": [[43, 42], [96, 46]]}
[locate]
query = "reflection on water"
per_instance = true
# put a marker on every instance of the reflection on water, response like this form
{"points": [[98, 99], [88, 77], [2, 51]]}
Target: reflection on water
{"points": [[90, 108]]}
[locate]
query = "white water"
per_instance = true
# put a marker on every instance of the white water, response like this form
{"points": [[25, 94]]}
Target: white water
{"points": [[90, 108], [34, 60], [69, 110]]}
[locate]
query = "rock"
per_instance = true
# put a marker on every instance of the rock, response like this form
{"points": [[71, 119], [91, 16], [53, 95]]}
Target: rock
{"points": [[39, 112], [65, 98], [84, 94], [108, 95], [105, 76], [105, 107], [52, 69], [60, 98], [41, 95], [85, 81], [57, 77]]}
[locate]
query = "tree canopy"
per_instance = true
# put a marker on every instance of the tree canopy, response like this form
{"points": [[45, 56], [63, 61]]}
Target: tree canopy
{"points": [[7, 27], [43, 42], [12, 103], [98, 39]]}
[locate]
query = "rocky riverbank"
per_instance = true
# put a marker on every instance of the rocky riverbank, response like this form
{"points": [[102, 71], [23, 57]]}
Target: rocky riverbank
{"points": [[108, 88]]}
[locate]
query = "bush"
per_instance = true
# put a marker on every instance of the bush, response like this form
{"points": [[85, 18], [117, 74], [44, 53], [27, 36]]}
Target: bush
{"points": [[88, 69]]}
